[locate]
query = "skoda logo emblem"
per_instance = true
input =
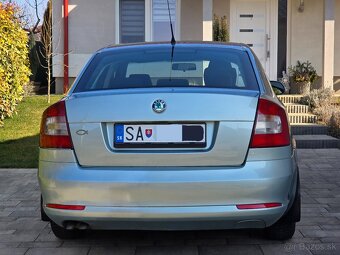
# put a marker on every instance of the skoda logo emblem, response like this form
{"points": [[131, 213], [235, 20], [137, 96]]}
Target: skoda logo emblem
{"points": [[159, 106]]}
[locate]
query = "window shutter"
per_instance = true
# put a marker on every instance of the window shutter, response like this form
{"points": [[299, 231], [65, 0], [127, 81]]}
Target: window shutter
{"points": [[161, 12], [132, 21]]}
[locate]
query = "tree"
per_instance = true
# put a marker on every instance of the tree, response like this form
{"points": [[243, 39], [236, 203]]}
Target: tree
{"points": [[30, 13], [224, 33], [46, 39], [14, 66], [47, 46], [35, 6], [220, 29], [216, 28]]}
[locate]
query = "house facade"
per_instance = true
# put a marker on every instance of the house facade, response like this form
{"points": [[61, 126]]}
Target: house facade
{"points": [[281, 32]]}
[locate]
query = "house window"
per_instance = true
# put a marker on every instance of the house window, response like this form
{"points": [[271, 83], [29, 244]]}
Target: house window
{"points": [[160, 19], [132, 21]]}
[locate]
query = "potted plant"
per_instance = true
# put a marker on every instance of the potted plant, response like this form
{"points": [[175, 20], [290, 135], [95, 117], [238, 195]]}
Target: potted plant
{"points": [[303, 74]]}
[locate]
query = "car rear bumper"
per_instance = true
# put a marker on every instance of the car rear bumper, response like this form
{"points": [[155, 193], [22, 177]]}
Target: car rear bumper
{"points": [[166, 198], [168, 218]]}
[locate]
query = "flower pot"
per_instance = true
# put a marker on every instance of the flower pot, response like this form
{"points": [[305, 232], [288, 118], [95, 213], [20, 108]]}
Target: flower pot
{"points": [[300, 87]]}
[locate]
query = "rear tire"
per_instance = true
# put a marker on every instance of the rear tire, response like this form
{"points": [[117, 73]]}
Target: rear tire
{"points": [[63, 233], [43, 215], [284, 229], [280, 231]]}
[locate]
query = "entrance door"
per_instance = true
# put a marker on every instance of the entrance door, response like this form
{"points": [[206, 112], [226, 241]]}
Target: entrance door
{"points": [[254, 22]]}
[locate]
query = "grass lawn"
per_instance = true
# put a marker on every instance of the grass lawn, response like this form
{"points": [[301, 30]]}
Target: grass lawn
{"points": [[19, 138]]}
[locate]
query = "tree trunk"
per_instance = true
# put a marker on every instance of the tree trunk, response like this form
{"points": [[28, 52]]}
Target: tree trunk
{"points": [[48, 80]]}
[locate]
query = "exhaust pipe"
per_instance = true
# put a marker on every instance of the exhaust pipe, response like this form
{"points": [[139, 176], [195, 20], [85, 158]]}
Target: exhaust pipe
{"points": [[70, 225], [73, 225], [82, 226]]}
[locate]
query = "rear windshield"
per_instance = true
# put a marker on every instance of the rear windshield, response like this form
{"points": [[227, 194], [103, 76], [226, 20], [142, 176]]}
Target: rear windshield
{"points": [[212, 67]]}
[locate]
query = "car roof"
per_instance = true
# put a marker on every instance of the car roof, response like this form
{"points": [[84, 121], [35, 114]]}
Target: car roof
{"points": [[150, 45]]}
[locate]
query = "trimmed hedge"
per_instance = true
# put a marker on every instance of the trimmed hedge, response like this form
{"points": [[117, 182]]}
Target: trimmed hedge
{"points": [[14, 64]]}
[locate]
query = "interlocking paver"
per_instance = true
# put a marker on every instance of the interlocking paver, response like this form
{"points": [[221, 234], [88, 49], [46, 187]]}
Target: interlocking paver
{"points": [[9, 244], [13, 251], [113, 250], [230, 249], [321, 233], [325, 248], [288, 248], [58, 251], [18, 237], [173, 250], [330, 227], [41, 244], [22, 232]]}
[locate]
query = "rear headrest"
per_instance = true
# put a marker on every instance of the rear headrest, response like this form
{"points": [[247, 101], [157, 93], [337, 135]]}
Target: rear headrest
{"points": [[139, 79], [220, 74], [173, 83]]}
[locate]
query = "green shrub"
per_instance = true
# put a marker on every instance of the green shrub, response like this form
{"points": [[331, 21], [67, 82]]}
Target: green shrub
{"points": [[334, 123], [14, 66], [321, 102], [330, 115], [317, 98], [220, 29]]}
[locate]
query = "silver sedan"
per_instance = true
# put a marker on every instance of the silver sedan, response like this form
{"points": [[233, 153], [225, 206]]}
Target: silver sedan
{"points": [[169, 137]]}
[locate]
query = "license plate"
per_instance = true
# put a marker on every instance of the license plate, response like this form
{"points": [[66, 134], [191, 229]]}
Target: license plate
{"points": [[160, 135]]}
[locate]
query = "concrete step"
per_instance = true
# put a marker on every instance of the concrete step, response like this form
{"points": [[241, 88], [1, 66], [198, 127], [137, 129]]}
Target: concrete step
{"points": [[316, 142], [299, 118], [290, 99], [308, 129], [297, 108]]}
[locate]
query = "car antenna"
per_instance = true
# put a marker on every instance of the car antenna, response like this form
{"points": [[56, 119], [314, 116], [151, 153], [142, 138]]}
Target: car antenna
{"points": [[173, 40]]}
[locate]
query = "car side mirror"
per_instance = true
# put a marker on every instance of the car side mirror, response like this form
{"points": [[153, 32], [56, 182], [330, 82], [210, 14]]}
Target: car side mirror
{"points": [[278, 87]]}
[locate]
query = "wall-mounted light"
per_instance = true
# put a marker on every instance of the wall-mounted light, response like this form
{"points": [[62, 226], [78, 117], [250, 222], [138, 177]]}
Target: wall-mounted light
{"points": [[301, 6]]}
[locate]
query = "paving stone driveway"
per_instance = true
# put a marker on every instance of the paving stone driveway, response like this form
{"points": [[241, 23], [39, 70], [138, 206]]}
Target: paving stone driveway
{"points": [[22, 232]]}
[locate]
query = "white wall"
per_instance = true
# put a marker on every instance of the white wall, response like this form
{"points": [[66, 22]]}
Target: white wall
{"points": [[191, 20], [222, 8], [91, 27], [337, 39], [306, 33]]}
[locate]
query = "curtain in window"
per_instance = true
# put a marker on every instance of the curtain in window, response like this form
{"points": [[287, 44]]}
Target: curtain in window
{"points": [[132, 21]]}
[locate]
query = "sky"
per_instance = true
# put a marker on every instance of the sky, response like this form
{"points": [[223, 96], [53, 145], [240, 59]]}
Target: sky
{"points": [[27, 5]]}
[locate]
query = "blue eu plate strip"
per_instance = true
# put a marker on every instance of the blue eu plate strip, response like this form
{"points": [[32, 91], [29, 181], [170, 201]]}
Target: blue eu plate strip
{"points": [[119, 133]]}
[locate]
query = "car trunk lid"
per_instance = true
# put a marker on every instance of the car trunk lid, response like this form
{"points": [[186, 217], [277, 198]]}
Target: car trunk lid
{"points": [[228, 116]]}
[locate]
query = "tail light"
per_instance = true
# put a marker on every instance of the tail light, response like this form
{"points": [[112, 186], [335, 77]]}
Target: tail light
{"points": [[271, 127], [54, 129]]}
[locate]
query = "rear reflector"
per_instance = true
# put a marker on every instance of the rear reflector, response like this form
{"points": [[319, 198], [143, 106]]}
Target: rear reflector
{"points": [[271, 127], [54, 130], [66, 207], [258, 206]]}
